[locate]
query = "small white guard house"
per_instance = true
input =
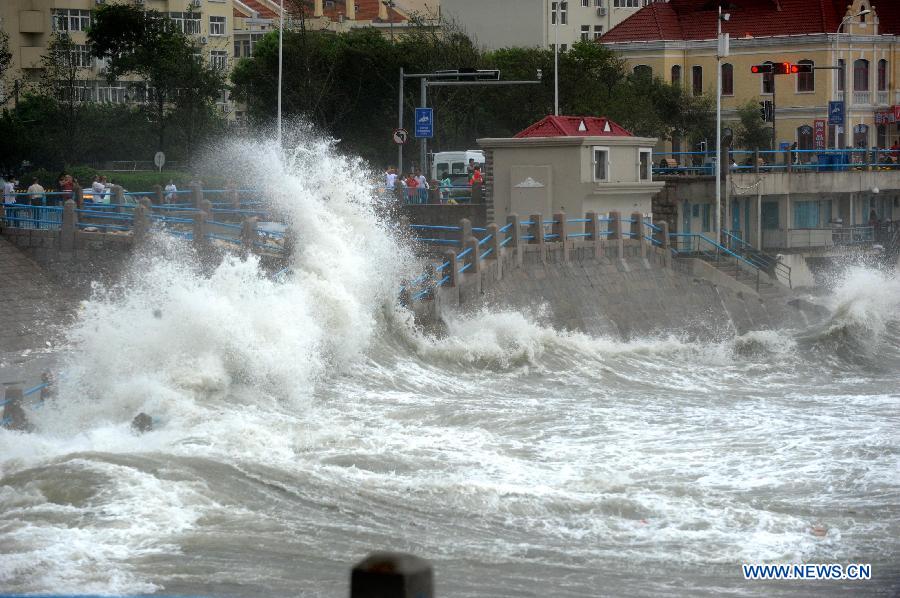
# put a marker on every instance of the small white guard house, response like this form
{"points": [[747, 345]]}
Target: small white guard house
{"points": [[572, 164]]}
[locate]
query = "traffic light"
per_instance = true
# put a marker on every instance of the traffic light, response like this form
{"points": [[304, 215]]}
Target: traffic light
{"points": [[781, 68], [767, 111], [802, 68], [759, 69]]}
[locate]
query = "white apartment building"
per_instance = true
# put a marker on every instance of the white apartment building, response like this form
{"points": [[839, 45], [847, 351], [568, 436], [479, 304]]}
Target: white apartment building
{"points": [[533, 23]]}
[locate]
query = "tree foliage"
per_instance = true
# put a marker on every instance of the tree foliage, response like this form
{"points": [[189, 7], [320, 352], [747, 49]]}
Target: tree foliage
{"points": [[750, 131], [5, 54]]}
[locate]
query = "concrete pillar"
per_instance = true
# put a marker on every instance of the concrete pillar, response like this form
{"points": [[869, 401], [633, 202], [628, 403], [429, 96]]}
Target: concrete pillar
{"points": [[452, 270], [69, 225], [404, 225], [351, 9], [233, 197], [145, 201], [392, 575], [637, 231], [78, 195], [592, 228], [249, 234], [13, 409], [756, 160], [206, 206], [615, 226], [465, 226], [48, 390], [472, 258], [141, 223], [196, 194], [318, 8], [496, 238], [662, 235], [201, 241], [560, 227], [159, 194], [515, 231], [537, 228], [405, 293], [477, 193]]}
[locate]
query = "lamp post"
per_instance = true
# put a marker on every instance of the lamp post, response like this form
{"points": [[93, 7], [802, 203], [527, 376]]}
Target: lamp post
{"points": [[842, 71], [280, 71], [721, 52], [556, 58]]}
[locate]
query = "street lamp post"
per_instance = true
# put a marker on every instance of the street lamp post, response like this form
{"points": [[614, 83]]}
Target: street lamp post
{"points": [[721, 52], [280, 71]]}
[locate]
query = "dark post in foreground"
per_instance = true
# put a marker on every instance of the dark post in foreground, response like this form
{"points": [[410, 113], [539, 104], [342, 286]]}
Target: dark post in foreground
{"points": [[392, 575]]}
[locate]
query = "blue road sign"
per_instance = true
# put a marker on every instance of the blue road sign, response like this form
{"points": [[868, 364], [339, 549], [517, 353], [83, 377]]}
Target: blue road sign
{"points": [[424, 122], [835, 113]]}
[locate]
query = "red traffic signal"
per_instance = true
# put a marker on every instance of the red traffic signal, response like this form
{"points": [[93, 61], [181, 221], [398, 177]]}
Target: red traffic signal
{"points": [[758, 69], [781, 68]]}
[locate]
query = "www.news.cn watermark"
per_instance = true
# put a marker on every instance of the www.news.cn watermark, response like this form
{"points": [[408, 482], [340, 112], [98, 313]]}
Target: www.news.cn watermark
{"points": [[853, 571]]}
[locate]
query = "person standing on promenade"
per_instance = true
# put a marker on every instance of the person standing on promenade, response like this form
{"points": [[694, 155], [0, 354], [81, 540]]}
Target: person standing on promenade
{"points": [[411, 184], [171, 192], [422, 186]]}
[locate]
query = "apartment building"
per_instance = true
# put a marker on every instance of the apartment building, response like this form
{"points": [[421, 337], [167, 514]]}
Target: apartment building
{"points": [[30, 24], [533, 23], [853, 45]]}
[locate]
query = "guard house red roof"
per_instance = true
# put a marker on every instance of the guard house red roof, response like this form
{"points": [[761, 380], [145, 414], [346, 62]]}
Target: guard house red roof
{"points": [[696, 19], [574, 126]]}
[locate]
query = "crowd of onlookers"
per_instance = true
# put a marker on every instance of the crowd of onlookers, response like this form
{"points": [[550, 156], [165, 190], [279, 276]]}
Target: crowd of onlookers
{"points": [[415, 186]]}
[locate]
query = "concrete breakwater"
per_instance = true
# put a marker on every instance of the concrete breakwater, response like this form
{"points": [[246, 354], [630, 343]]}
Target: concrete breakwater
{"points": [[611, 283]]}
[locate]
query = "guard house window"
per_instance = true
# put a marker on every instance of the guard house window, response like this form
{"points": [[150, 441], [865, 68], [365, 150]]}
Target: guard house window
{"points": [[861, 75], [768, 81], [218, 59], [186, 22], [585, 32], [598, 31], [697, 79], [601, 164], [217, 25], [727, 79], [645, 164], [70, 19], [676, 74], [840, 74], [806, 82], [882, 75]]}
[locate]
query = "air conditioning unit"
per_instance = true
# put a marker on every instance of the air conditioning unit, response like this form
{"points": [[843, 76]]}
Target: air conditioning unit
{"points": [[601, 11], [194, 4], [139, 2], [203, 40], [99, 2]]}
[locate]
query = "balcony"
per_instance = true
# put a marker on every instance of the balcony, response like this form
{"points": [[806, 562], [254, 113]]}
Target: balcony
{"points": [[862, 97], [881, 98]]}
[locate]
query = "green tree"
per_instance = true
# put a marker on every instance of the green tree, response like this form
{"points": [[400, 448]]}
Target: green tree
{"points": [[63, 65], [750, 131], [5, 59], [148, 45]]}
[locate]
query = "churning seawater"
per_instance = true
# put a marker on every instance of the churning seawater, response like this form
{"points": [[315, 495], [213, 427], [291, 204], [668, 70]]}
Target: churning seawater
{"points": [[303, 423]]}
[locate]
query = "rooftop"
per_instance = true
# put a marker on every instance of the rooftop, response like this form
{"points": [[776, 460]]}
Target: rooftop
{"points": [[574, 126]]}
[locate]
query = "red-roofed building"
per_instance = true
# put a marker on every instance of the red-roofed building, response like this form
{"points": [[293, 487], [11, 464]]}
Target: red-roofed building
{"points": [[571, 164], [853, 45]]}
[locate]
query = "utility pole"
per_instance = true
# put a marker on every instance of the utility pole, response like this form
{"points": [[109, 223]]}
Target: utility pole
{"points": [[423, 141], [400, 125], [721, 52], [280, 71], [556, 59]]}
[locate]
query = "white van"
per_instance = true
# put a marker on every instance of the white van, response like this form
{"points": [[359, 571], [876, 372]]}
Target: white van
{"points": [[455, 163]]}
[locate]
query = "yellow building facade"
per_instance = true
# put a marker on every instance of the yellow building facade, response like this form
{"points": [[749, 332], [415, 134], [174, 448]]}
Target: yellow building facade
{"points": [[869, 60]]}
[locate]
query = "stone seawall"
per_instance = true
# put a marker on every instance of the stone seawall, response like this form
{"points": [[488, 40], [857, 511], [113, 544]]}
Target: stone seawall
{"points": [[621, 288]]}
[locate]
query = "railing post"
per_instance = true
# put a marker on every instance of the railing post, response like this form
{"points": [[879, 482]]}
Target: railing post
{"points": [[560, 227], [789, 159], [47, 391], [494, 231], [118, 197], [592, 228], [196, 194], [200, 230], [141, 223], [465, 231], [615, 226], [159, 194], [756, 160], [392, 575], [233, 197], [69, 225], [452, 270], [537, 229], [637, 231], [249, 234], [515, 230], [13, 409], [472, 258]]}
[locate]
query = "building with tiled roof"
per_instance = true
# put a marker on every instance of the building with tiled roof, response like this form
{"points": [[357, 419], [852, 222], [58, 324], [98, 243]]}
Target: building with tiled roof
{"points": [[853, 45], [574, 126]]}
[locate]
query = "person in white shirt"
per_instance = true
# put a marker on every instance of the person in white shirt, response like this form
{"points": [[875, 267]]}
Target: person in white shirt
{"points": [[171, 192], [422, 187], [9, 191], [98, 189], [36, 193], [390, 179]]}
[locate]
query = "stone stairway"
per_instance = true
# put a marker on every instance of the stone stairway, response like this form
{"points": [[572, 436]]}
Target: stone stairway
{"points": [[767, 289]]}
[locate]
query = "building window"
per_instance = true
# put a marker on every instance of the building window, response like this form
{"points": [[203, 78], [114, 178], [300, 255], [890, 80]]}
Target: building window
{"points": [[218, 59], [626, 3], [645, 164], [707, 218], [585, 32], [598, 31], [643, 71], [217, 25], [586, 3], [806, 214], [806, 82], [881, 136], [882, 75], [768, 81], [676, 75], [727, 79], [64, 19], [601, 164], [186, 22], [81, 56], [563, 8], [697, 79], [861, 75], [840, 74]]}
